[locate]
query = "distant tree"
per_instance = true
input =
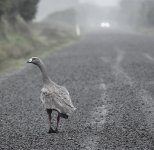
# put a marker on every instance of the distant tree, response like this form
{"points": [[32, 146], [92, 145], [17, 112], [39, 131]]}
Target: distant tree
{"points": [[27, 9], [131, 11], [149, 11], [4, 7], [138, 11]]}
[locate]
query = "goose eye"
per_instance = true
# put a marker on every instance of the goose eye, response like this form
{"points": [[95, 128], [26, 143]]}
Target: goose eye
{"points": [[30, 60]]}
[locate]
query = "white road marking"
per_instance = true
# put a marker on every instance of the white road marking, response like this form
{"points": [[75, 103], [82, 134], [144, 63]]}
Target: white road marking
{"points": [[148, 56], [147, 99], [105, 59], [96, 121], [123, 76], [120, 56], [90, 143], [98, 114], [118, 70], [102, 86], [143, 95], [98, 117]]}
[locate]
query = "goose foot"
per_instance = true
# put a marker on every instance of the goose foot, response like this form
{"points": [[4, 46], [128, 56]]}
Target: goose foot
{"points": [[56, 131], [51, 130]]}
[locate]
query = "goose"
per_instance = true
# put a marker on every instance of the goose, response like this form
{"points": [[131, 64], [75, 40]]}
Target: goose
{"points": [[53, 96]]}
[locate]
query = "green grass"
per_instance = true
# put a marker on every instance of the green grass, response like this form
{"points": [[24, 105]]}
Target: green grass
{"points": [[22, 41], [13, 64]]}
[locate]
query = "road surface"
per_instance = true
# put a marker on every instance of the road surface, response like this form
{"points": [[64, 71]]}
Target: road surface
{"points": [[110, 77]]}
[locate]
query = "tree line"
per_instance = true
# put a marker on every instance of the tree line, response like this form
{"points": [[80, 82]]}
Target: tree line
{"points": [[25, 8], [140, 12]]}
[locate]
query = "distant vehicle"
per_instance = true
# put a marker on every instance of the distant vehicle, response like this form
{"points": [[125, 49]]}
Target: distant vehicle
{"points": [[105, 25]]}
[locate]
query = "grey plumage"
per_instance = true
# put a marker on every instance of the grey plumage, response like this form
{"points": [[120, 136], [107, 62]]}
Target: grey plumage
{"points": [[57, 98], [53, 96]]}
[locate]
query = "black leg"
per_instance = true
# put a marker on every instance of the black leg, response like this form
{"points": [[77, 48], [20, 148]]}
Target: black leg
{"points": [[49, 111], [58, 119]]}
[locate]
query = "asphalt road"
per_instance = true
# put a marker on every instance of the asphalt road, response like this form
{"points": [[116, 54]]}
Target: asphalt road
{"points": [[110, 77]]}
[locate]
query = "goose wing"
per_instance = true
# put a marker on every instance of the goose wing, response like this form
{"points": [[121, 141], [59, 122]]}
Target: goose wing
{"points": [[65, 96], [47, 98], [57, 98]]}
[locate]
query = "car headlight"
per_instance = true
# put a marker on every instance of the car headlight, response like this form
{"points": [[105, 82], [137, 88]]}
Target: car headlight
{"points": [[105, 25]]}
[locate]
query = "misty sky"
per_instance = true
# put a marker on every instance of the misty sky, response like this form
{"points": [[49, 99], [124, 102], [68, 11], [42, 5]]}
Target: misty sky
{"points": [[47, 7], [102, 2]]}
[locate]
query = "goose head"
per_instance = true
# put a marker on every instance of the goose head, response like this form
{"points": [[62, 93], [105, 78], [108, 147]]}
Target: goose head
{"points": [[35, 61], [38, 62]]}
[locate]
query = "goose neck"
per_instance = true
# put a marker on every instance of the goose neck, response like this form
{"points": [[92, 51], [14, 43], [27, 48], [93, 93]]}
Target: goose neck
{"points": [[45, 76]]}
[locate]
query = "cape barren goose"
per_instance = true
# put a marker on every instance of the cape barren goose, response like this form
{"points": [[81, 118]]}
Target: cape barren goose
{"points": [[53, 96]]}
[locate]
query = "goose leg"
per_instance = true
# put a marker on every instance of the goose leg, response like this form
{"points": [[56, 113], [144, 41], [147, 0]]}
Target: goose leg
{"points": [[49, 111], [58, 119]]}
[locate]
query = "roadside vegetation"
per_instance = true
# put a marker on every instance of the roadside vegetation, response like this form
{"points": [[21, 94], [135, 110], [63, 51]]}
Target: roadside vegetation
{"points": [[138, 14], [21, 38]]}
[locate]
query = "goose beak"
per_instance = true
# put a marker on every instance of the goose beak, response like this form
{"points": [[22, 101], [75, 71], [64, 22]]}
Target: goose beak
{"points": [[29, 61]]}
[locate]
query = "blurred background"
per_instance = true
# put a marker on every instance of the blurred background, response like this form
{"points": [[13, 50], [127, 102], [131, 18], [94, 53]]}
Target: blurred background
{"points": [[35, 27]]}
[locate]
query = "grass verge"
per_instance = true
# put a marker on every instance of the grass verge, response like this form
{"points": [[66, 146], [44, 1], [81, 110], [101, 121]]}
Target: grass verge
{"points": [[21, 41]]}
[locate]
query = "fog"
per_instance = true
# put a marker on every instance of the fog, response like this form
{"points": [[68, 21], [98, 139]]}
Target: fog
{"points": [[102, 2], [47, 7], [89, 14]]}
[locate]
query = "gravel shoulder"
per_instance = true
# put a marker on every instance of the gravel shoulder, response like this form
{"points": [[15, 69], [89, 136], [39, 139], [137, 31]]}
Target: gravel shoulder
{"points": [[99, 73]]}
